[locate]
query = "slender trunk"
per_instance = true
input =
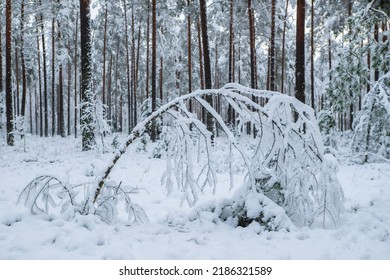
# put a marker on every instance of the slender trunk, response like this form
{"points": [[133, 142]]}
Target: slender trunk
{"points": [[17, 101], [117, 127], [376, 38], [53, 82], [312, 58], [136, 68], [161, 79], [283, 48], [8, 73], [109, 87], [40, 90], [24, 77], [231, 112], [351, 106], [201, 72], [69, 89], [207, 65], [300, 52], [45, 95], [154, 66], [104, 61], [60, 101], [75, 80], [189, 53], [31, 114], [147, 52], [272, 54], [129, 111], [133, 85]]}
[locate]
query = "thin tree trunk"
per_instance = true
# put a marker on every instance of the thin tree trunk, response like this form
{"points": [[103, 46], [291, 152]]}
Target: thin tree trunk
{"points": [[231, 112], [104, 61], [40, 90], [189, 53], [376, 38], [161, 78], [147, 52], [17, 101], [69, 89], [129, 111], [300, 52], [312, 58], [45, 95], [8, 73], [24, 77], [60, 101], [75, 79], [154, 66], [283, 48], [53, 81], [201, 72], [109, 87], [136, 68], [207, 64], [272, 77]]}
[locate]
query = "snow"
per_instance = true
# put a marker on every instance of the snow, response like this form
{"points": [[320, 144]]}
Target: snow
{"points": [[174, 230]]}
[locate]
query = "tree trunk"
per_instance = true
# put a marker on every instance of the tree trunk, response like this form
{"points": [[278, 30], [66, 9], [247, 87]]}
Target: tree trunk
{"points": [[45, 95], [312, 58], [87, 127], [129, 111], [40, 91], [300, 52], [201, 72], [207, 65], [60, 101], [272, 77], [147, 52], [104, 61], [8, 73], [284, 48], [161, 78], [53, 81], [75, 80], [230, 113], [24, 77], [16, 101], [189, 53], [154, 66]]}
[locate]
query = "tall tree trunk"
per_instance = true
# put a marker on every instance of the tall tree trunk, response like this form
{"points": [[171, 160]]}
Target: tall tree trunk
{"points": [[87, 127], [312, 58], [284, 48], [351, 106], [75, 79], [129, 111], [45, 95], [136, 68], [300, 52], [17, 102], [53, 80], [201, 72], [161, 78], [147, 52], [207, 64], [8, 72], [24, 77], [109, 87], [69, 88], [40, 91], [60, 101], [104, 61], [272, 77], [231, 113], [154, 66], [189, 53], [376, 38]]}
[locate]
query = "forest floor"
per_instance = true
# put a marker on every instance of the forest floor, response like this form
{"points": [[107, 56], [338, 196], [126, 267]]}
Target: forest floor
{"points": [[362, 233]]}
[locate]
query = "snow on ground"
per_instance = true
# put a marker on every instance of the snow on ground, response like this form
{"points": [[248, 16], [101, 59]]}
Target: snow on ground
{"points": [[362, 234]]}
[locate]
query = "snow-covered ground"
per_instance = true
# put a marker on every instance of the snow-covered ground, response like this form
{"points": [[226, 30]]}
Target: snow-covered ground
{"points": [[363, 233]]}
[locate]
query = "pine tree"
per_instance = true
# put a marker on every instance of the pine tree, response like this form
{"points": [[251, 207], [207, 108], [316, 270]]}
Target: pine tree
{"points": [[8, 74]]}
